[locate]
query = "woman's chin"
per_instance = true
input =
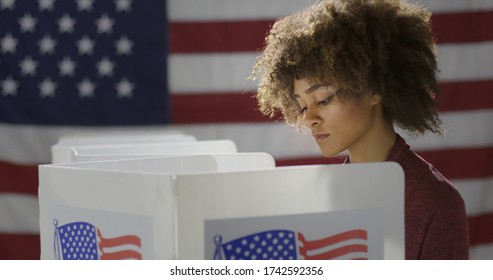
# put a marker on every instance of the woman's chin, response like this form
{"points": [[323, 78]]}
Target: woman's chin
{"points": [[334, 153]]}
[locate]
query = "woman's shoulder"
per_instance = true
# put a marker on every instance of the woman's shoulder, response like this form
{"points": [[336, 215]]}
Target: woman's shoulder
{"points": [[425, 181]]}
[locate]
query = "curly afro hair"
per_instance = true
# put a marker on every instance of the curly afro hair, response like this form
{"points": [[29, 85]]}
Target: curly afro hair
{"points": [[382, 47]]}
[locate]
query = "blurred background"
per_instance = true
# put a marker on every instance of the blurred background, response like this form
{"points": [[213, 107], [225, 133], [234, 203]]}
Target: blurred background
{"points": [[83, 66]]}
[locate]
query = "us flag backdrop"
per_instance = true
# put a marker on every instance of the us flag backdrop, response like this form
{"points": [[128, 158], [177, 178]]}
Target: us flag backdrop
{"points": [[83, 66]]}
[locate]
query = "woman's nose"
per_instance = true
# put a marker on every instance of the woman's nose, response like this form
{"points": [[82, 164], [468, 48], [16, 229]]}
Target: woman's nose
{"points": [[311, 118]]}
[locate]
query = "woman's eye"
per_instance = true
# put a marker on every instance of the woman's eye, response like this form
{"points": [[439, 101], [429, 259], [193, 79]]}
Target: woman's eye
{"points": [[326, 100], [302, 110]]}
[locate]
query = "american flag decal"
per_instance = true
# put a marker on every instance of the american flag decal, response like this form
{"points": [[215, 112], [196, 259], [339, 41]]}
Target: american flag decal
{"points": [[291, 245], [84, 241]]}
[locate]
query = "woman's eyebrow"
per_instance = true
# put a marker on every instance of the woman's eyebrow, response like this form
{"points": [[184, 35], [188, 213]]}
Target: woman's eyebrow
{"points": [[314, 87], [311, 89]]}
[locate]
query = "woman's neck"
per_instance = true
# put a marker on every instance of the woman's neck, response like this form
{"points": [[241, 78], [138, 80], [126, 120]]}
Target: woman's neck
{"points": [[375, 145]]}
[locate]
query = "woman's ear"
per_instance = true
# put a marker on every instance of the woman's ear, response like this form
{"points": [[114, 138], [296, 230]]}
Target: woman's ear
{"points": [[375, 99]]}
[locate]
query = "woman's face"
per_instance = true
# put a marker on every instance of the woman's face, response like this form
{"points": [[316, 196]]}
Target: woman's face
{"points": [[336, 124]]}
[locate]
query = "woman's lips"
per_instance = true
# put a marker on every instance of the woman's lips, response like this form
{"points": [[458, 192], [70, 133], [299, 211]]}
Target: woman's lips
{"points": [[319, 137]]}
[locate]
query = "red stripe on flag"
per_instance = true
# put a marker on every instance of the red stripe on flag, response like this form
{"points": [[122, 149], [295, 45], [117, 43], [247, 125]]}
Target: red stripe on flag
{"points": [[309, 161], [20, 246], [463, 27], [449, 162], [122, 255], [358, 248], [215, 108], [242, 107], [248, 36], [481, 229], [17, 178], [119, 241], [330, 241], [228, 36], [111, 243], [470, 95]]}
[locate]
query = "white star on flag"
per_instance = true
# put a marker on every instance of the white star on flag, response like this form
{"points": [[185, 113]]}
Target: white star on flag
{"points": [[47, 88], [9, 87], [85, 45], [67, 67], [105, 67], [8, 44], [123, 5], [104, 24], [27, 23], [124, 89], [66, 24], [47, 45], [84, 5], [86, 89], [124, 46], [28, 66], [7, 4], [46, 5]]}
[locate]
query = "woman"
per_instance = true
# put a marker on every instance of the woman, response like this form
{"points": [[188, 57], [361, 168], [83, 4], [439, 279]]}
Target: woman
{"points": [[350, 71]]}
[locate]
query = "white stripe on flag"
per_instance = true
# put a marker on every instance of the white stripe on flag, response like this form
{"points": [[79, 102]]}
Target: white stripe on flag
{"points": [[232, 10], [19, 213], [455, 5], [481, 252], [228, 72], [205, 73], [460, 62], [235, 10], [460, 126], [478, 195]]}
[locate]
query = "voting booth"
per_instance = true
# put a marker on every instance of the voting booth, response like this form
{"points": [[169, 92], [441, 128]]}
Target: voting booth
{"points": [[136, 150], [167, 195], [64, 150], [122, 208], [223, 206]]}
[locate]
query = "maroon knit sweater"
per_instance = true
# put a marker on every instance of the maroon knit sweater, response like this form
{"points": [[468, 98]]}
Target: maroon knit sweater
{"points": [[435, 217]]}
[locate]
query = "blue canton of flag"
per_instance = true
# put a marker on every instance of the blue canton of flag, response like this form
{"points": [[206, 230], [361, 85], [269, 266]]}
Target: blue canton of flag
{"points": [[76, 241], [274, 244], [83, 62]]}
